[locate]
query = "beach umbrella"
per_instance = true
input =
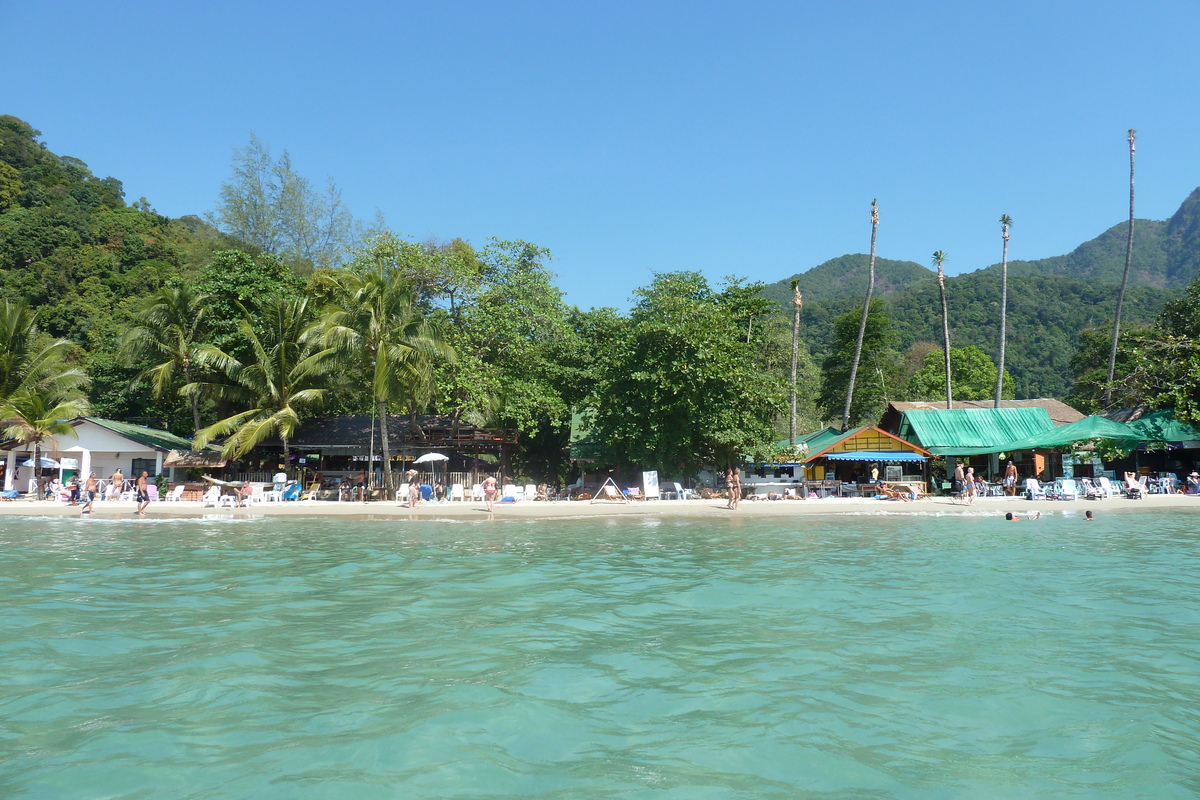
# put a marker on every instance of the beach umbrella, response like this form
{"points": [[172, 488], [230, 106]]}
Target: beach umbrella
{"points": [[46, 462], [429, 457]]}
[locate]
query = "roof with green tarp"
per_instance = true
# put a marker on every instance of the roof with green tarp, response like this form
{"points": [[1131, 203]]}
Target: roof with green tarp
{"points": [[150, 437], [1087, 428], [1161, 426], [971, 431]]}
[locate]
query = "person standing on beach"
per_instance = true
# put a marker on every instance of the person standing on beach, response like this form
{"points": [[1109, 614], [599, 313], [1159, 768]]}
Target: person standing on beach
{"points": [[489, 492], [89, 492], [959, 482], [117, 481], [1010, 479], [969, 485], [143, 493], [736, 492]]}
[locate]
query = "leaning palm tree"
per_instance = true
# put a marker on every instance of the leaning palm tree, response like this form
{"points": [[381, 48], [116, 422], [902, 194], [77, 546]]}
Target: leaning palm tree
{"points": [[939, 258], [862, 325], [383, 328], [31, 416], [1005, 221], [797, 304], [168, 332], [285, 372], [1112, 353], [31, 361]]}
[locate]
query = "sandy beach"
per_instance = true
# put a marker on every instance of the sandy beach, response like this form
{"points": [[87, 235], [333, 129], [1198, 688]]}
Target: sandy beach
{"points": [[548, 510]]}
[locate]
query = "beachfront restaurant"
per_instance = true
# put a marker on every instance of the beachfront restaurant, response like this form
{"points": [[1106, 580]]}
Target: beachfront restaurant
{"points": [[972, 435], [1173, 447], [833, 463], [330, 450]]}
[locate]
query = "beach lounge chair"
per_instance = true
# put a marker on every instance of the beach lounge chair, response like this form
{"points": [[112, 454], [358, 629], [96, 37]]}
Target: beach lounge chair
{"points": [[1066, 489], [477, 491], [531, 491], [211, 497], [1090, 490], [684, 494], [175, 495], [292, 491], [457, 492], [1134, 490], [511, 490], [1034, 490], [1105, 486]]}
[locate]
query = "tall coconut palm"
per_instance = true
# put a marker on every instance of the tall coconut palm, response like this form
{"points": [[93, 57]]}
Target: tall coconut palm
{"points": [[862, 326], [169, 323], [285, 372], [33, 415], [1112, 353], [1005, 222], [383, 328], [797, 304], [30, 361], [939, 258]]}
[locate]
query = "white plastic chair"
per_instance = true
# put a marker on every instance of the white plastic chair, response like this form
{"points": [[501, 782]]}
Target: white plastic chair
{"points": [[530, 491], [477, 491], [1067, 489], [1034, 490], [211, 497], [402, 495], [457, 493], [511, 490], [176, 494], [684, 494]]}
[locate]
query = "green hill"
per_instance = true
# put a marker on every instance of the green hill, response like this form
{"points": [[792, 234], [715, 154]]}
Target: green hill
{"points": [[1050, 300]]}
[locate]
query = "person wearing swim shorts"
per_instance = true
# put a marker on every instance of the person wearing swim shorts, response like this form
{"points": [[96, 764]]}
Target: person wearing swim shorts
{"points": [[89, 491], [143, 493]]}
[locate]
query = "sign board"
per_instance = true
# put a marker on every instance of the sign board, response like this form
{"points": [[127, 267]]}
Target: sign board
{"points": [[650, 484]]}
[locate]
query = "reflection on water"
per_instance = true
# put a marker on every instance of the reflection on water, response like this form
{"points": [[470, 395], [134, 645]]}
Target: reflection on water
{"points": [[865, 656]]}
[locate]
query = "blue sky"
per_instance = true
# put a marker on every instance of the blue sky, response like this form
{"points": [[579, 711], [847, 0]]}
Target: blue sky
{"points": [[629, 138]]}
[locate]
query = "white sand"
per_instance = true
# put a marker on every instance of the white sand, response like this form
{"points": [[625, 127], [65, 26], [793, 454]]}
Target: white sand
{"points": [[540, 510]]}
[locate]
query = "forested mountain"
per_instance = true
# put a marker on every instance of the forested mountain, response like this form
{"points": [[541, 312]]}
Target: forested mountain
{"points": [[1051, 300]]}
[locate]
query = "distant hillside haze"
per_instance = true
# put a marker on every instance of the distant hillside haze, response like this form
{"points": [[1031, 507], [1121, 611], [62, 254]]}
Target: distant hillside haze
{"points": [[1050, 299]]}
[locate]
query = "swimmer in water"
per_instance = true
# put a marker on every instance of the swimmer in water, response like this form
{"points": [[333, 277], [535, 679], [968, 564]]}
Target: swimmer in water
{"points": [[1087, 516]]}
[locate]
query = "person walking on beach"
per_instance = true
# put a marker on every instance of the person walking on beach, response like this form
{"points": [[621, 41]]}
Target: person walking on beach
{"points": [[489, 492], [970, 486], [89, 492], [143, 493], [1010, 479], [117, 482], [959, 482]]}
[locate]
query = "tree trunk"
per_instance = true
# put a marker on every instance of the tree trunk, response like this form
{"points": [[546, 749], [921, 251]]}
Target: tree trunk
{"points": [[1003, 316], [1112, 353], [387, 453], [187, 377], [797, 302], [37, 469], [945, 333], [287, 453], [862, 326]]}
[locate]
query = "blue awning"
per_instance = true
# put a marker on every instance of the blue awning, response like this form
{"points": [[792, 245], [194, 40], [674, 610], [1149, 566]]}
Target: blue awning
{"points": [[874, 455]]}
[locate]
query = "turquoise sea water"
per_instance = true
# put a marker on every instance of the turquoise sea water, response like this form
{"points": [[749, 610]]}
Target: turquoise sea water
{"points": [[851, 657]]}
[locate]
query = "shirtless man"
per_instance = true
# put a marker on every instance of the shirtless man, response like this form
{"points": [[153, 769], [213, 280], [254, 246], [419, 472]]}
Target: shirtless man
{"points": [[89, 492], [489, 492], [143, 493], [1010, 479]]}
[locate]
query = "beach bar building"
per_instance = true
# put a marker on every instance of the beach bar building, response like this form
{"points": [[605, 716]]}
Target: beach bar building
{"points": [[833, 462]]}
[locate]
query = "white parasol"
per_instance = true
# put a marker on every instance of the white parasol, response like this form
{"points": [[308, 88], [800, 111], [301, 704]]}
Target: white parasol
{"points": [[428, 457]]}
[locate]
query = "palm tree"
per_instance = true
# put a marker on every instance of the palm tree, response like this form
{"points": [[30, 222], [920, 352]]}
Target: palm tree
{"points": [[383, 328], [31, 361], [862, 326], [1112, 353], [1005, 221], [797, 303], [284, 373], [168, 331], [32, 415], [939, 258]]}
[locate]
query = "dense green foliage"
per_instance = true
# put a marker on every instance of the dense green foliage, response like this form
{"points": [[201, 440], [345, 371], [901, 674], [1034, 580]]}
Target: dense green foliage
{"points": [[972, 376], [276, 323]]}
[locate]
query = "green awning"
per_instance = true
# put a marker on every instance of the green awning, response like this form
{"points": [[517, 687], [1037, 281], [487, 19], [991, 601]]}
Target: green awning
{"points": [[1087, 428], [1161, 426], [972, 431]]}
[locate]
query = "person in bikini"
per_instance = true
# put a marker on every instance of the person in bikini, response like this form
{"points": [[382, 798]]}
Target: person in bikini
{"points": [[489, 492]]}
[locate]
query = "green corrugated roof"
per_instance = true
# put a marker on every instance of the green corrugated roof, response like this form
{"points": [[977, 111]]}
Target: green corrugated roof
{"points": [[151, 437], [1092, 427], [971, 431]]}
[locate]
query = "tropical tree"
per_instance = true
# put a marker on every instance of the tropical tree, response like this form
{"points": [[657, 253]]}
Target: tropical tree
{"points": [[286, 372], [880, 380], [1112, 353], [33, 414], [382, 328], [862, 325], [30, 361], [168, 331], [797, 304], [1005, 222], [939, 258], [974, 375]]}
